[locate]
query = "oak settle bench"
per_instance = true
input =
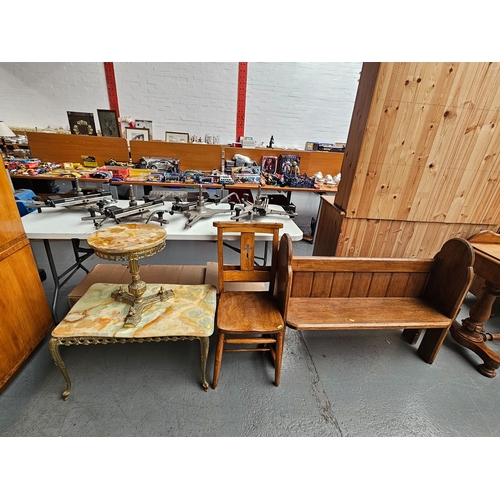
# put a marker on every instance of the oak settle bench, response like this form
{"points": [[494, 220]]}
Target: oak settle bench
{"points": [[348, 293]]}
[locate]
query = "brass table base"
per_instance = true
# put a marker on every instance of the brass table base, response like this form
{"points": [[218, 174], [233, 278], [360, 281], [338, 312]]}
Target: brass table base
{"points": [[54, 344], [139, 304]]}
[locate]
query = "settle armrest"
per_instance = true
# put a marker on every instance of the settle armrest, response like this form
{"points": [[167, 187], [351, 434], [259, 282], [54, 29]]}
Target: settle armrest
{"points": [[363, 313]]}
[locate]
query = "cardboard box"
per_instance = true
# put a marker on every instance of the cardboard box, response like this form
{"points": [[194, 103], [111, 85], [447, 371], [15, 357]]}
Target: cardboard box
{"points": [[118, 273], [182, 275]]}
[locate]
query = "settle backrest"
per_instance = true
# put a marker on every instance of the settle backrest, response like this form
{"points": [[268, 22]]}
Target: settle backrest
{"points": [[442, 281]]}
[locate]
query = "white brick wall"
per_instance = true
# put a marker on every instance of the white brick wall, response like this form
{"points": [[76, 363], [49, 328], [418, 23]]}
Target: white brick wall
{"points": [[198, 98], [300, 102], [39, 94], [294, 102]]}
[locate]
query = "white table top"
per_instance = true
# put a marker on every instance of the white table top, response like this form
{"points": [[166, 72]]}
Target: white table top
{"points": [[66, 223]]}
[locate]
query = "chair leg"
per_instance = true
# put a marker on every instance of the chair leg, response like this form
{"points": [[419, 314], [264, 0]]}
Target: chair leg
{"points": [[218, 359], [280, 340]]}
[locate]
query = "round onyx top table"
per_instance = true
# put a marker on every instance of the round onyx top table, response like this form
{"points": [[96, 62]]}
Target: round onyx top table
{"points": [[131, 242]]}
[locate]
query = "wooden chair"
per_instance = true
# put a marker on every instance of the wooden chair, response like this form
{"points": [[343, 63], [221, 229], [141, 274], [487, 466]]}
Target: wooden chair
{"points": [[249, 320]]}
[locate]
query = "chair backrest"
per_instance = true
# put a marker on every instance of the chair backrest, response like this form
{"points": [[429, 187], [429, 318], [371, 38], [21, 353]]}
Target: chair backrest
{"points": [[247, 270]]}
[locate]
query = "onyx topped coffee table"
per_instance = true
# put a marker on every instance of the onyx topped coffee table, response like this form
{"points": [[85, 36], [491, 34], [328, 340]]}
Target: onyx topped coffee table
{"points": [[97, 318]]}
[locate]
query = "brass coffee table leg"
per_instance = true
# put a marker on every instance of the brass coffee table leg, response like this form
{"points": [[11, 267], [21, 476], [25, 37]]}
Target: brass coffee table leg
{"points": [[204, 356], [56, 356]]}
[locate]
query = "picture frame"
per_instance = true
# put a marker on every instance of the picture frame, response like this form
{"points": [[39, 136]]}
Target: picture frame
{"points": [[108, 121], [81, 123], [269, 164], [136, 134], [177, 137], [145, 124]]}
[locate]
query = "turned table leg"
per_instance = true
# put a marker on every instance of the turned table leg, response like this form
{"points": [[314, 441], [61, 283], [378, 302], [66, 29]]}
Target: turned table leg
{"points": [[472, 335]]}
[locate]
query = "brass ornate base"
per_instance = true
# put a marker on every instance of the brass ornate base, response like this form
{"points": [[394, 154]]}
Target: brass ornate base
{"points": [[139, 304], [54, 344]]}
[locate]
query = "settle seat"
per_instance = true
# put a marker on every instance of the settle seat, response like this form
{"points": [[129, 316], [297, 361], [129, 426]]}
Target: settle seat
{"points": [[346, 293]]}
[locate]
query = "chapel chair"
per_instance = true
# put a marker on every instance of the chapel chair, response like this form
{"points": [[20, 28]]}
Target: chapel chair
{"points": [[249, 319]]}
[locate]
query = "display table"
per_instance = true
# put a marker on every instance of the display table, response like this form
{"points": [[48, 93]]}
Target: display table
{"points": [[63, 224], [97, 318], [471, 334]]}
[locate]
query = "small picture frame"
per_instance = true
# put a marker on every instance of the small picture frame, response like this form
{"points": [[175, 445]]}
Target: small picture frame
{"points": [[145, 124], [108, 122], [81, 123], [136, 134], [177, 137]]}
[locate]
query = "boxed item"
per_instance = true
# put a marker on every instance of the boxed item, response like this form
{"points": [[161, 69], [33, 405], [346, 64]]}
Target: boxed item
{"points": [[23, 197], [169, 165], [269, 164], [289, 164]]}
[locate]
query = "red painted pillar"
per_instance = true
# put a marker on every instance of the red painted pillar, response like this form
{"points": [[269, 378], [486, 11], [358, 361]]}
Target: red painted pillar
{"points": [[109, 71], [242, 98]]}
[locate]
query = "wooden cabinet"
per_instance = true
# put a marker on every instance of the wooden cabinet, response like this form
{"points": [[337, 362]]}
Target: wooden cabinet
{"points": [[25, 313], [422, 160]]}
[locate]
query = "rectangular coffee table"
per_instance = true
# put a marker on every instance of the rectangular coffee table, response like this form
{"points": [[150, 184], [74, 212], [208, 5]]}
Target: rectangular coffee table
{"points": [[97, 318]]}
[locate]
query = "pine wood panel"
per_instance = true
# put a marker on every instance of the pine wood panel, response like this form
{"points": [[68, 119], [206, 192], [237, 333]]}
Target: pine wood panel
{"points": [[406, 239], [428, 149], [400, 280], [60, 148]]}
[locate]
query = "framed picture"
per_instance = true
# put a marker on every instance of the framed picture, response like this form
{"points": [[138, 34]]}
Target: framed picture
{"points": [[108, 122], [177, 137], [136, 134], [145, 124], [269, 164], [81, 123]]}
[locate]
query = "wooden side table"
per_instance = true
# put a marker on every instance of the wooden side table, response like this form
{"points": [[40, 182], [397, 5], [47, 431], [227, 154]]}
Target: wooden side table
{"points": [[471, 334], [97, 318]]}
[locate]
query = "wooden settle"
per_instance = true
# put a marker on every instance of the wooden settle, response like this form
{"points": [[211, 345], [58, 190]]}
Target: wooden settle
{"points": [[343, 293]]}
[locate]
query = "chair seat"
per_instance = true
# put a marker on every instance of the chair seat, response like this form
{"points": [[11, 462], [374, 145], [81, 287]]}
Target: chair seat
{"points": [[248, 312]]}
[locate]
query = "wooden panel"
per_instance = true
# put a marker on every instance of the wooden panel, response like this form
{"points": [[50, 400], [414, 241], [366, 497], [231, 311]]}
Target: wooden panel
{"points": [[192, 156], [12, 226], [310, 161], [398, 283], [379, 284], [322, 284], [302, 284], [431, 151], [360, 285], [61, 148], [399, 238], [28, 319], [360, 265], [357, 131], [328, 227], [341, 285]]}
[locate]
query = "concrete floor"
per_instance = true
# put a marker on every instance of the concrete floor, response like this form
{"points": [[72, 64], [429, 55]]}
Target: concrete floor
{"points": [[333, 384]]}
